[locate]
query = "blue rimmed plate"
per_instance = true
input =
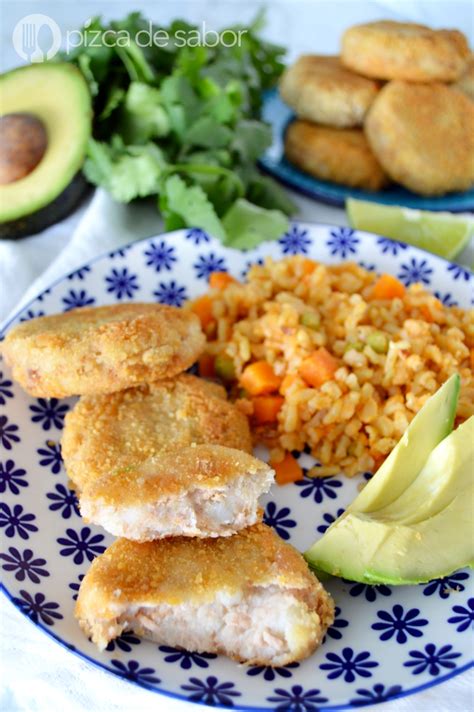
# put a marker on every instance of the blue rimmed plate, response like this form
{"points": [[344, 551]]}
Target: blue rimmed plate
{"points": [[386, 642], [273, 161]]}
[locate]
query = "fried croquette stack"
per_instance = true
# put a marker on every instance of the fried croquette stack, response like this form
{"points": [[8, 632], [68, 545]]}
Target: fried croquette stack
{"points": [[395, 106], [161, 458]]}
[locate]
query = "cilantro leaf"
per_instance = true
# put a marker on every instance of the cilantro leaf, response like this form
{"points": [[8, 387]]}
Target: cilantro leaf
{"points": [[191, 205], [247, 225], [143, 115]]}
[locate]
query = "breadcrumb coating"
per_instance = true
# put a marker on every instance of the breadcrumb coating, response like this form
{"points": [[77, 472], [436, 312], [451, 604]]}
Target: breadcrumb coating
{"points": [[398, 50], [117, 432], [102, 349], [319, 88], [423, 135]]}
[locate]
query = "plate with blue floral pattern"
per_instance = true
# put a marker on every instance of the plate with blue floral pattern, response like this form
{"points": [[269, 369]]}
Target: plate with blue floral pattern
{"points": [[273, 161], [386, 642]]}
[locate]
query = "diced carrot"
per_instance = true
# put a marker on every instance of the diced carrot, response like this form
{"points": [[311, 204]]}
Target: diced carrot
{"points": [[266, 408], [319, 367], [220, 280], [206, 366], [287, 382], [388, 287], [426, 311], [288, 470], [259, 378], [308, 266], [202, 306]]}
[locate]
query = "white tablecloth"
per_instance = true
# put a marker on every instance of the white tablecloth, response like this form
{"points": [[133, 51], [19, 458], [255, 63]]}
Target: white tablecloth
{"points": [[37, 674]]}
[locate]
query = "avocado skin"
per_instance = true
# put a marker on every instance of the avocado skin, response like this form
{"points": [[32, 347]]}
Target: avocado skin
{"points": [[60, 208]]}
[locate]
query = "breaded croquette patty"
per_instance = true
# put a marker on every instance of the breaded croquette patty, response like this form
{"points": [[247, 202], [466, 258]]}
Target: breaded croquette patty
{"points": [[102, 349], [201, 491], [109, 433], [423, 135], [398, 50], [320, 89], [339, 155], [465, 82], [249, 596]]}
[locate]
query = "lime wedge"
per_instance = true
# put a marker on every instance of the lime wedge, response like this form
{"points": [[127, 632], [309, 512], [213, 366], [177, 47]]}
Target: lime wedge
{"points": [[443, 234]]}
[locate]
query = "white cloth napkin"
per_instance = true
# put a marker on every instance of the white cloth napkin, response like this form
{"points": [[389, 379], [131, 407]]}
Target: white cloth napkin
{"points": [[38, 674]]}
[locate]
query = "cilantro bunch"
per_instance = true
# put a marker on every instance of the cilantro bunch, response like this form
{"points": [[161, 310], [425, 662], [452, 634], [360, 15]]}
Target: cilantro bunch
{"points": [[182, 123]]}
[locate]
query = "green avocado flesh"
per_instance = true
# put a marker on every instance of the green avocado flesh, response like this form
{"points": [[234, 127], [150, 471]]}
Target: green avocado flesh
{"points": [[57, 94], [429, 426], [423, 532]]}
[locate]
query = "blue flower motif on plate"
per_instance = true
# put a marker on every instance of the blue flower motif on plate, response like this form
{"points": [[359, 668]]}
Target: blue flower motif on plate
{"points": [[400, 623], [297, 700], [24, 564], [121, 283], [30, 314], [75, 300], [334, 631], [349, 665], [431, 660], [415, 271], [343, 242], [171, 293], [5, 391], [51, 456], [445, 586], [11, 478], [49, 412], [16, 522], [370, 592], [278, 519], [120, 252], [197, 235], [124, 642], [64, 500], [75, 586], [185, 658], [82, 545], [79, 273], [446, 299], [250, 264], [210, 691], [464, 618], [295, 241], [271, 673], [458, 272], [319, 487], [391, 247], [38, 608], [8, 433], [379, 693], [328, 520], [132, 671], [207, 264], [160, 256]]}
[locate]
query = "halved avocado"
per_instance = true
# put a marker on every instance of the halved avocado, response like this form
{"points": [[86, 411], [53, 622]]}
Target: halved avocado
{"points": [[48, 101]]}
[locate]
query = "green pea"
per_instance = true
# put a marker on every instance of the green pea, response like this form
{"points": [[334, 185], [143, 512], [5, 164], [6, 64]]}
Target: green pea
{"points": [[224, 367], [378, 341], [310, 320], [356, 345]]}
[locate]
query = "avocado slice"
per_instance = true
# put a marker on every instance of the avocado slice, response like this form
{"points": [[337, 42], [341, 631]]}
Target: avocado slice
{"points": [[423, 535], [449, 468], [54, 96], [429, 426]]}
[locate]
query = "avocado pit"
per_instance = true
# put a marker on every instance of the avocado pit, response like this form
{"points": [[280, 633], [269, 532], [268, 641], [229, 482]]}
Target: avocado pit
{"points": [[23, 143]]}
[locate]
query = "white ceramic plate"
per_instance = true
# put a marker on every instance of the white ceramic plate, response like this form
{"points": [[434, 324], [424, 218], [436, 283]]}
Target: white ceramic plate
{"points": [[386, 642]]}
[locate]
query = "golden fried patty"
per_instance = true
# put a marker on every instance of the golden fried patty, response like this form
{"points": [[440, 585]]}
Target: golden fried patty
{"points": [[465, 82], [102, 349], [109, 433], [199, 491], [250, 596], [423, 135], [319, 88], [398, 50], [338, 155]]}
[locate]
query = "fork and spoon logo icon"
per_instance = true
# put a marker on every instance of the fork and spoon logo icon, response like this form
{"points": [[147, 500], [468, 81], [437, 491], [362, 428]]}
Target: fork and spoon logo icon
{"points": [[26, 38]]}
